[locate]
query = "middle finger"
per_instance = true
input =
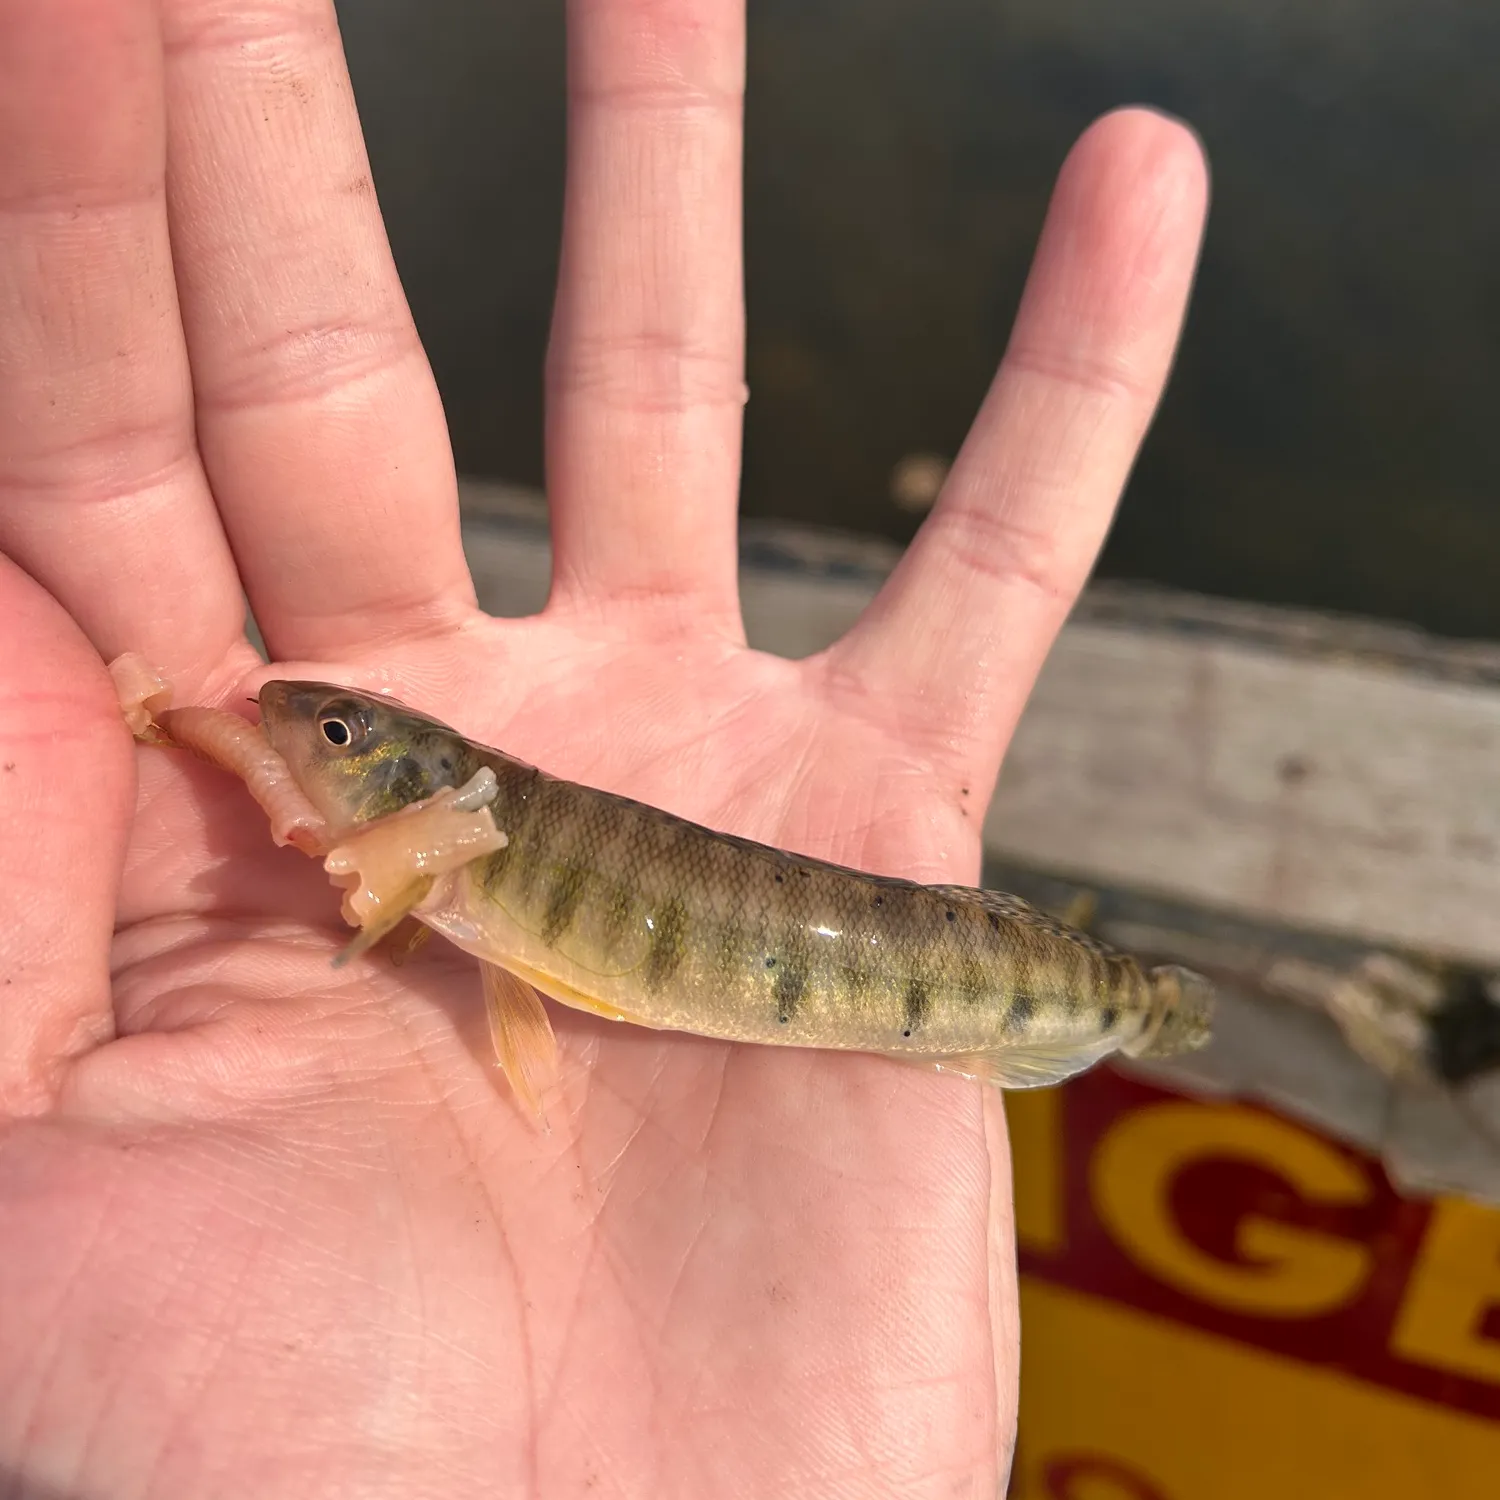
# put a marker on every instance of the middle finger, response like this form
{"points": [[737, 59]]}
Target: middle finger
{"points": [[645, 374]]}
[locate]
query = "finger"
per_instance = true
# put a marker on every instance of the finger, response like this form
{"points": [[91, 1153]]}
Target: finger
{"points": [[1004, 1293], [101, 495], [958, 633], [66, 788], [318, 418], [645, 373]]}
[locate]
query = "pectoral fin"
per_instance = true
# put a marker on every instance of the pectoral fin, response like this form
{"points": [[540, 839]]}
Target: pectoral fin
{"points": [[384, 918], [525, 1046], [407, 937], [1026, 1067], [388, 867]]}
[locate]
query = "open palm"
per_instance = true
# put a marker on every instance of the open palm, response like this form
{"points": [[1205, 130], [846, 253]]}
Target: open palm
{"points": [[273, 1230]]}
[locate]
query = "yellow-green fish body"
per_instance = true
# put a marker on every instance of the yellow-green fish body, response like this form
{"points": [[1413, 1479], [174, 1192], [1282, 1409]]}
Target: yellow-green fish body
{"points": [[610, 905]]}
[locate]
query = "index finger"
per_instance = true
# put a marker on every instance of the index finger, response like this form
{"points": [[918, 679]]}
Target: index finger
{"points": [[958, 634]]}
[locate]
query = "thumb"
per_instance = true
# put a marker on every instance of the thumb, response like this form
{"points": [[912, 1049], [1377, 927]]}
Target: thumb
{"points": [[67, 787]]}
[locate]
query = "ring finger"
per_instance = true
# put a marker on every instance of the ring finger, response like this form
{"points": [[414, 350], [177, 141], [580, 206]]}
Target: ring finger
{"points": [[318, 416]]}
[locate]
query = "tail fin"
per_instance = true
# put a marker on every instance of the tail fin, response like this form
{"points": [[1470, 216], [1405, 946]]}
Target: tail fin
{"points": [[1182, 1005]]}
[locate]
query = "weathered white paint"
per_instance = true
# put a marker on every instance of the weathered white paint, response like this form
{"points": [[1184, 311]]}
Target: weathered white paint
{"points": [[1339, 795]]}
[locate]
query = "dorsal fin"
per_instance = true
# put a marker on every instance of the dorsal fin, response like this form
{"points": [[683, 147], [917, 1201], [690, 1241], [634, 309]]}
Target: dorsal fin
{"points": [[1013, 909]]}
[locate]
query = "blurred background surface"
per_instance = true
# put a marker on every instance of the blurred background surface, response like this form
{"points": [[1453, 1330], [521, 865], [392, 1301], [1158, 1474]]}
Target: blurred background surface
{"points": [[1329, 438]]}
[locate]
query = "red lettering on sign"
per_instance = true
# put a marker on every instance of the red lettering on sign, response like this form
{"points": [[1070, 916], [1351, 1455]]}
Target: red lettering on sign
{"points": [[1071, 1476], [1258, 1230]]}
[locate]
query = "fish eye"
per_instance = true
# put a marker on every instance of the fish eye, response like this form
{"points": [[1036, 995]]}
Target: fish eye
{"points": [[336, 731]]}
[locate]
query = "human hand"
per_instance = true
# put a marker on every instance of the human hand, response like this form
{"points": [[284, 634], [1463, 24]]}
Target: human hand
{"points": [[273, 1230]]}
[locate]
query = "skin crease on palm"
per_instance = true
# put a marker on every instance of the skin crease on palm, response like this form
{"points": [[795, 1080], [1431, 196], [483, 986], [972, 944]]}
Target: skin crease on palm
{"points": [[274, 1230]]}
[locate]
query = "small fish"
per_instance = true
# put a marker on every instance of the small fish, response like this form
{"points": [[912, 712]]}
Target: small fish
{"points": [[617, 908]]}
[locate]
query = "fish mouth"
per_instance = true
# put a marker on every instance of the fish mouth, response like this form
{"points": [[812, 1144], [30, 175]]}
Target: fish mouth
{"points": [[282, 703]]}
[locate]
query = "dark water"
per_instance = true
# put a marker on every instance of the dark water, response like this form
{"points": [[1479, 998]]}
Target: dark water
{"points": [[1330, 435]]}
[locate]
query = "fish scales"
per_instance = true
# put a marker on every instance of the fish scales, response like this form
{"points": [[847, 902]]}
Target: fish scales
{"points": [[622, 908], [684, 928]]}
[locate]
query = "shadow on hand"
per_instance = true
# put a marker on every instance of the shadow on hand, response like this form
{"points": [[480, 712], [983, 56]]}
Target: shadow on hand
{"points": [[16, 1486]]}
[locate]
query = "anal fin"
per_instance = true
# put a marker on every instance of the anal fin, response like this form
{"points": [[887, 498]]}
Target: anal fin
{"points": [[1034, 1067], [525, 1045]]}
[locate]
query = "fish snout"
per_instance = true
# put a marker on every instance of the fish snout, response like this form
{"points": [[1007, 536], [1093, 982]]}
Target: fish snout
{"points": [[273, 697]]}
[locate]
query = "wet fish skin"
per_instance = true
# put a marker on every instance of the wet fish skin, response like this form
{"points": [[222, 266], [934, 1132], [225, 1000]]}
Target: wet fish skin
{"points": [[617, 907]]}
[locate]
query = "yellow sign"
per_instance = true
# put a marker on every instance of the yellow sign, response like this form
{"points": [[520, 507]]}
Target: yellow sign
{"points": [[1120, 1405], [1218, 1303]]}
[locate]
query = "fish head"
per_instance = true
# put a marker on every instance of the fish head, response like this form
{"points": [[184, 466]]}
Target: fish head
{"points": [[359, 756]]}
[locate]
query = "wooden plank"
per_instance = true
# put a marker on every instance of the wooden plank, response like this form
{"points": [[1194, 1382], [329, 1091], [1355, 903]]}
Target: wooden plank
{"points": [[1341, 795], [1330, 775]]}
